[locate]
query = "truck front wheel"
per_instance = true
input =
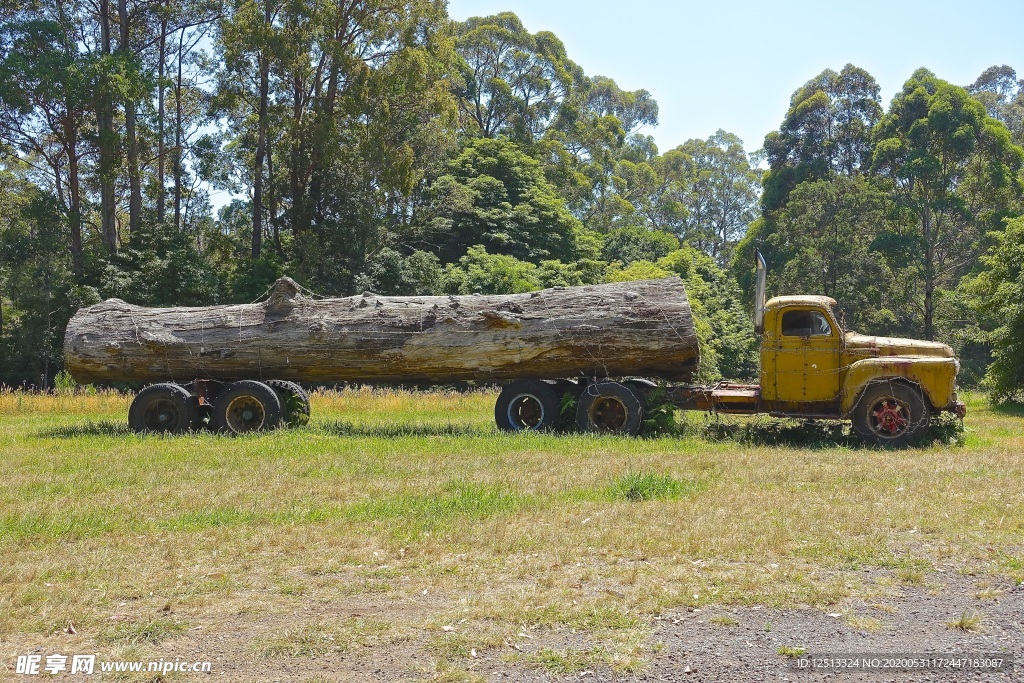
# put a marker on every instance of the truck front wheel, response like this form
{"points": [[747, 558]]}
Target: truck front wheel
{"points": [[890, 414]]}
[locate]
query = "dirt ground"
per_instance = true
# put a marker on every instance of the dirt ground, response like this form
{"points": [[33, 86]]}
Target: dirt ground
{"points": [[709, 644], [913, 624]]}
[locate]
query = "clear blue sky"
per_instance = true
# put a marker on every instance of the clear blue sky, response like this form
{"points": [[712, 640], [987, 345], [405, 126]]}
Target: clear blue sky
{"points": [[733, 64]]}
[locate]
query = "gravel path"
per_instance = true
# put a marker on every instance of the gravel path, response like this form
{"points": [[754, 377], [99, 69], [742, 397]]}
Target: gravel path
{"points": [[913, 623]]}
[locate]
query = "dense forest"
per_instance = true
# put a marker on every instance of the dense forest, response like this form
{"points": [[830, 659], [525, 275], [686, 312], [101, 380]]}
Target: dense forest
{"points": [[380, 145]]}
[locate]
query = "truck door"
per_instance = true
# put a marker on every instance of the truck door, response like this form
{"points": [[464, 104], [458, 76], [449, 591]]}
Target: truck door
{"points": [[807, 362]]}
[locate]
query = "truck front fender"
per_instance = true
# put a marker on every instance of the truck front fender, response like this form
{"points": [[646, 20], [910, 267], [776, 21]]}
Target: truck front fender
{"points": [[935, 376]]}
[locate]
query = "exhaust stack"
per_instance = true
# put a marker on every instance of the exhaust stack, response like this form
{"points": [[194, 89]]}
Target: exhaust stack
{"points": [[759, 294]]}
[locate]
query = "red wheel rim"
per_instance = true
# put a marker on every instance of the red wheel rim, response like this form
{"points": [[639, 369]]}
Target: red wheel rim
{"points": [[889, 417]]}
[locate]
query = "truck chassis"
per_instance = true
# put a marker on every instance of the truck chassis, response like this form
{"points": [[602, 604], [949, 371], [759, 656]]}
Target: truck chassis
{"points": [[888, 413]]}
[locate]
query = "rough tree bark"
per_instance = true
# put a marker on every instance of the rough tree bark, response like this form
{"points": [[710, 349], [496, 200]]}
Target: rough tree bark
{"points": [[161, 66], [131, 137], [74, 194], [631, 328], [108, 142], [177, 135], [261, 147]]}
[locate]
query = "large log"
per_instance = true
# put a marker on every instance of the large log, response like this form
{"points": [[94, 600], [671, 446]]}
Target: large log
{"points": [[633, 328]]}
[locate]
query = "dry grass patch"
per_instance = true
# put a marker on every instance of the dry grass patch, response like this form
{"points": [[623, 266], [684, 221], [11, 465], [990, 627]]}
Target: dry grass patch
{"points": [[623, 652], [865, 624], [319, 638], [450, 646], [151, 631], [968, 622], [723, 620], [568, 661], [990, 594], [912, 576]]}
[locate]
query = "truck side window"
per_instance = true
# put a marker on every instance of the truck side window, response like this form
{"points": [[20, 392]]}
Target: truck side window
{"points": [[805, 324]]}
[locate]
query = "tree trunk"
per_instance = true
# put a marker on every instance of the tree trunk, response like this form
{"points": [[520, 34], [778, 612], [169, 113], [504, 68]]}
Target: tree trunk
{"points": [[134, 181], [107, 140], [161, 192], [272, 200], [631, 328], [261, 152], [298, 193], [74, 193], [177, 135], [929, 275]]}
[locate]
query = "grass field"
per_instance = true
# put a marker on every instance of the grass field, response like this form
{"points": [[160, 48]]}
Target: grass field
{"points": [[403, 525]]}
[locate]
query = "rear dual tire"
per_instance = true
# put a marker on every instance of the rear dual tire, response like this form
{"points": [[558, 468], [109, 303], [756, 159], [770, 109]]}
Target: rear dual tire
{"points": [[527, 405], [607, 407], [294, 401], [241, 407], [165, 409], [247, 406], [603, 407]]}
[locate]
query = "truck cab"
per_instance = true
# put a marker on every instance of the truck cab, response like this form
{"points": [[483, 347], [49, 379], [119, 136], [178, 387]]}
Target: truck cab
{"points": [[801, 349], [812, 368]]}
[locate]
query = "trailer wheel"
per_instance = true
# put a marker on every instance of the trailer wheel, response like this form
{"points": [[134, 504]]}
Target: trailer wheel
{"points": [[527, 405], [164, 409], [890, 414], [610, 408], [294, 401], [246, 406]]}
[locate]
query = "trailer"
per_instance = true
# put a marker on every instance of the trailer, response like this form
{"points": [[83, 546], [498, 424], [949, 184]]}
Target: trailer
{"points": [[606, 347]]}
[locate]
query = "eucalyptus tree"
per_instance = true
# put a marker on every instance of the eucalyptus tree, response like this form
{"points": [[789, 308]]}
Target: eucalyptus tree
{"points": [[346, 103], [826, 235], [718, 192], [152, 87], [1002, 93], [107, 143], [248, 38], [40, 292], [46, 104], [511, 81], [585, 130], [999, 293], [496, 196], [602, 162], [826, 132], [954, 174]]}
